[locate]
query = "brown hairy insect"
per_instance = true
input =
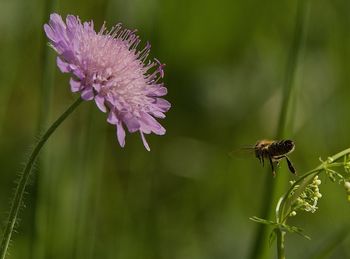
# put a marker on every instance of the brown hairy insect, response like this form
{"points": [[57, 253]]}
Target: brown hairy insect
{"points": [[275, 151]]}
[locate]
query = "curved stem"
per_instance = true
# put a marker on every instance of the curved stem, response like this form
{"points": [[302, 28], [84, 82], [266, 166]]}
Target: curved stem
{"points": [[23, 181]]}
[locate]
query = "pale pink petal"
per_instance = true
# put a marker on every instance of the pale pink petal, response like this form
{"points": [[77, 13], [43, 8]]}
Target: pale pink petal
{"points": [[158, 114], [63, 66], [100, 102], [163, 104], [87, 94], [152, 124], [145, 141], [75, 86], [131, 122], [72, 22], [120, 134], [158, 91], [50, 33], [112, 118]]}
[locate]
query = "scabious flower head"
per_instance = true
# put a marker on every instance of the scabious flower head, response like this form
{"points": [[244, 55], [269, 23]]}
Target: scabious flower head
{"points": [[107, 67]]}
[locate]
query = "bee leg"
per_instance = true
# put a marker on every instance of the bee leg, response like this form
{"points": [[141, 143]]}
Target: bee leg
{"points": [[272, 167], [261, 159], [290, 166]]}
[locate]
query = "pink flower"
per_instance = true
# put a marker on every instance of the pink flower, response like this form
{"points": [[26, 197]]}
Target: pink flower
{"points": [[107, 67]]}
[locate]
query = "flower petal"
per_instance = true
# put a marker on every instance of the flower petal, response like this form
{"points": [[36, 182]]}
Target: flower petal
{"points": [[63, 66], [121, 134], [55, 29], [78, 73], [152, 124], [131, 122], [72, 22], [100, 102], [112, 118], [97, 87], [87, 94], [66, 52], [144, 141], [158, 91], [163, 104], [75, 86], [50, 33]]}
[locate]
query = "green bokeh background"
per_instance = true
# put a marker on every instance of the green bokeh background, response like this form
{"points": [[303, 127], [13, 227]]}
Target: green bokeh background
{"points": [[187, 198]]}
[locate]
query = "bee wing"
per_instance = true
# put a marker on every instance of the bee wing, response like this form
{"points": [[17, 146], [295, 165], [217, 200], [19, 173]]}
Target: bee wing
{"points": [[243, 152]]}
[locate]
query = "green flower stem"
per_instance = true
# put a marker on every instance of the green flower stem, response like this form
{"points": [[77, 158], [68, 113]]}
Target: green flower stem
{"points": [[280, 243], [23, 181]]}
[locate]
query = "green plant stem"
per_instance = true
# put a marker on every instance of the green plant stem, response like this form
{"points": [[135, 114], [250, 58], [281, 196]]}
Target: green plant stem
{"points": [[273, 186], [280, 244], [285, 120], [23, 181]]}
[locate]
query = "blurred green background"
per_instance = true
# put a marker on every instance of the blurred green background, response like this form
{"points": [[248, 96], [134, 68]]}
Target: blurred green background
{"points": [[187, 198]]}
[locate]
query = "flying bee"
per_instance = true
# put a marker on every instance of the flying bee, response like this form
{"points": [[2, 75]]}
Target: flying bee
{"points": [[275, 151]]}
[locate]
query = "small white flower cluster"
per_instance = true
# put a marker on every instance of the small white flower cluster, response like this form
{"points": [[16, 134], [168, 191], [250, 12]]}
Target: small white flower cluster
{"points": [[307, 201]]}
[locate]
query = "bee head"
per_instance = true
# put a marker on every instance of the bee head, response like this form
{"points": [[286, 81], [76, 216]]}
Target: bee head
{"points": [[289, 144]]}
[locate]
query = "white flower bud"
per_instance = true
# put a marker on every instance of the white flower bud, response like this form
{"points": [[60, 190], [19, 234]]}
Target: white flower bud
{"points": [[347, 186], [293, 213]]}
